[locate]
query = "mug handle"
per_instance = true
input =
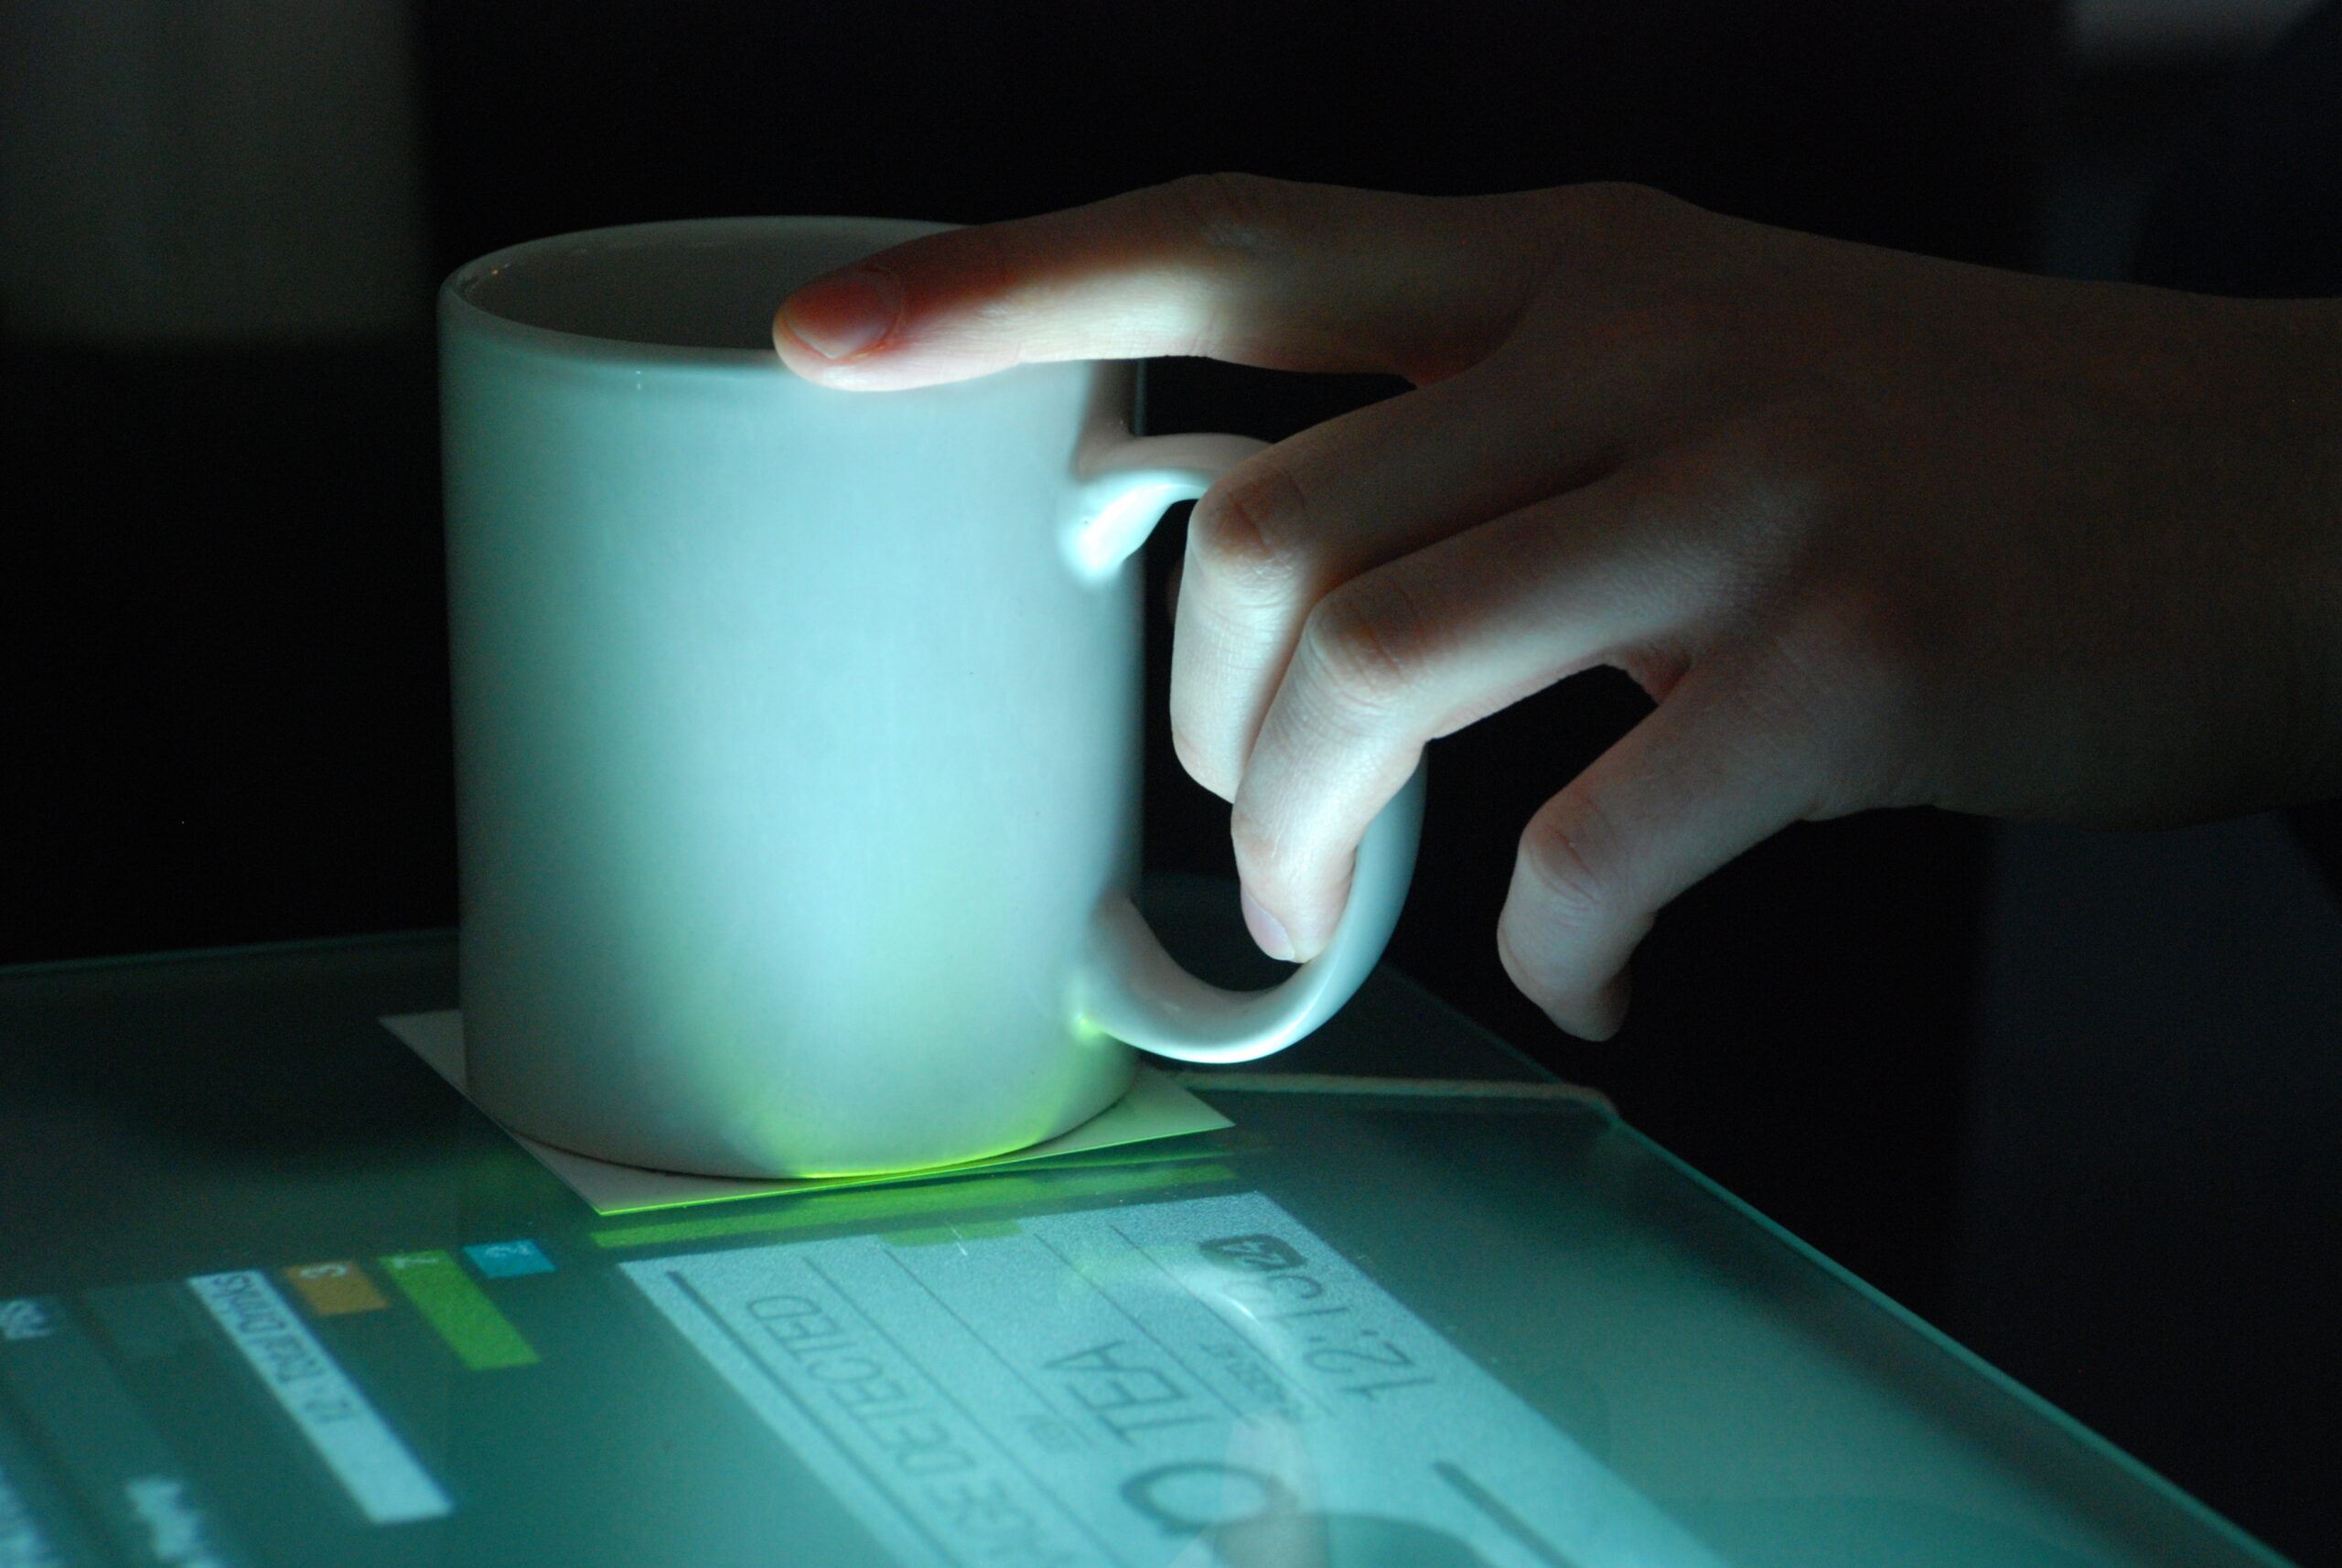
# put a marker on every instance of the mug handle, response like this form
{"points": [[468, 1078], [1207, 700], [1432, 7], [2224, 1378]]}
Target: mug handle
{"points": [[1131, 988]]}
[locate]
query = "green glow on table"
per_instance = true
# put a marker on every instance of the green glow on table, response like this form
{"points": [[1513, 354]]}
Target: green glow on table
{"points": [[853, 1208]]}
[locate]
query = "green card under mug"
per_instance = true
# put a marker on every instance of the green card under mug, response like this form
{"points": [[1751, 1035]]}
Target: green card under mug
{"points": [[798, 730]]}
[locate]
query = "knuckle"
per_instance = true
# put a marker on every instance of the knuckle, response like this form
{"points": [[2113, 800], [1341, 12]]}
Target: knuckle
{"points": [[1228, 210], [987, 261], [1571, 850], [1822, 686], [1645, 297], [1649, 347], [986, 270], [1615, 206], [1865, 627], [1249, 530], [1853, 674], [1262, 853], [1368, 641]]}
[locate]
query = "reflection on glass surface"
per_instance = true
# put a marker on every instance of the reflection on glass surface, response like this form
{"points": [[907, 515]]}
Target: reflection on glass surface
{"points": [[1354, 1329], [1123, 1384]]}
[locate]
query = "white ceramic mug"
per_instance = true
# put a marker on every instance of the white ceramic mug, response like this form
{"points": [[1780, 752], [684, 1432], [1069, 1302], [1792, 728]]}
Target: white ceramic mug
{"points": [[798, 730]]}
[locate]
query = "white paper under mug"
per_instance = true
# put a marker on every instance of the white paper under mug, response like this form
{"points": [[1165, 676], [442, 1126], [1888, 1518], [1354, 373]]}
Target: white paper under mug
{"points": [[798, 730]]}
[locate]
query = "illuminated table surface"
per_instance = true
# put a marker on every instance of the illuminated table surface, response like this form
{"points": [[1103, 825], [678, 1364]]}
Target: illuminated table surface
{"points": [[272, 1293]]}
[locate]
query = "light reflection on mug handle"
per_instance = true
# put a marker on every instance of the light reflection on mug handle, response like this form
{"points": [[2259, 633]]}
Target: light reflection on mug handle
{"points": [[1130, 987]]}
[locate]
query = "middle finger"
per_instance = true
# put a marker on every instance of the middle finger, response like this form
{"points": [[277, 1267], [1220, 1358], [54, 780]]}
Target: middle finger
{"points": [[1627, 568], [1293, 524]]}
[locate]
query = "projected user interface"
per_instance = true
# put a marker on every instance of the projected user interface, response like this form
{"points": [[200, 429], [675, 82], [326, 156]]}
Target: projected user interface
{"points": [[141, 1424], [1112, 1386], [1195, 1381]]}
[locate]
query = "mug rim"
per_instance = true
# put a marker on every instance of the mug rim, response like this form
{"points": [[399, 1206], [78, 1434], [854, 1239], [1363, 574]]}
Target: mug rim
{"points": [[459, 310]]}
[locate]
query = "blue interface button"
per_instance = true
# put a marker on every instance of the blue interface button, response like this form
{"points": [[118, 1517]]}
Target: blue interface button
{"points": [[503, 1260]]}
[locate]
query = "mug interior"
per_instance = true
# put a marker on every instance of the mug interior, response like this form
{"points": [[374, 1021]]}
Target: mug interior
{"points": [[704, 284]]}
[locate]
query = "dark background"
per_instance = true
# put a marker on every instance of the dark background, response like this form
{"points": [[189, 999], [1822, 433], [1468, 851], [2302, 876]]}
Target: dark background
{"points": [[236, 724], [219, 594]]}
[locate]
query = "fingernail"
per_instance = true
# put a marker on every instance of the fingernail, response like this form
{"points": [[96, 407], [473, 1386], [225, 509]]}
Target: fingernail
{"points": [[843, 314], [1265, 930]]}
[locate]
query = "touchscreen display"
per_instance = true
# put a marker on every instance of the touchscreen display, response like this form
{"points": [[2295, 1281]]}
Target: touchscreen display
{"points": [[1195, 1380], [1113, 1385]]}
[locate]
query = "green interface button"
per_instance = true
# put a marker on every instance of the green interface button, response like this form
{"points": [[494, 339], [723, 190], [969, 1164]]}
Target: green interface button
{"points": [[482, 1337]]}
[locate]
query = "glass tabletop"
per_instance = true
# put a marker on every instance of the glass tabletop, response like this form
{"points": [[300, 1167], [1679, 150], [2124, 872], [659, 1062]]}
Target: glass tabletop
{"points": [[272, 1293]]}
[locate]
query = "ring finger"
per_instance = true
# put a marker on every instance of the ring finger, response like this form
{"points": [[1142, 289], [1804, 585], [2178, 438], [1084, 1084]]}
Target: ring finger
{"points": [[1422, 645], [1289, 527]]}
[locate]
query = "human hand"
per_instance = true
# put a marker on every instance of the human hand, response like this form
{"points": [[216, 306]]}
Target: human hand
{"points": [[1873, 530]]}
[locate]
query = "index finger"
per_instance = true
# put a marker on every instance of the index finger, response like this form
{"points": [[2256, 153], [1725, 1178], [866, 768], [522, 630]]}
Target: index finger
{"points": [[1260, 272]]}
